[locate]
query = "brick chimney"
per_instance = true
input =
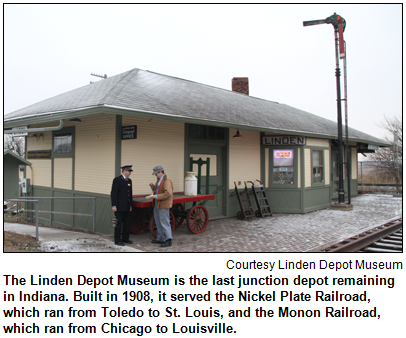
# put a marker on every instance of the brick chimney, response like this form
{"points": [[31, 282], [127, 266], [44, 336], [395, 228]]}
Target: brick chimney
{"points": [[240, 84]]}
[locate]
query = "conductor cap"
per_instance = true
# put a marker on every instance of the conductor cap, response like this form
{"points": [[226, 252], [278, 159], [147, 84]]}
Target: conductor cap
{"points": [[127, 167]]}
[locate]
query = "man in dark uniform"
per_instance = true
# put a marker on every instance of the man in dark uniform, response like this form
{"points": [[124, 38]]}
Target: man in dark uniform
{"points": [[121, 202]]}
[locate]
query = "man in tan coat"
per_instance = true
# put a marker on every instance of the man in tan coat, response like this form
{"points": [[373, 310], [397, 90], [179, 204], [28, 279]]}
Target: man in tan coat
{"points": [[163, 199]]}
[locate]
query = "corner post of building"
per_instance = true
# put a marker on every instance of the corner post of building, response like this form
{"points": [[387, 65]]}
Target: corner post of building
{"points": [[262, 163], [302, 174], [119, 123]]}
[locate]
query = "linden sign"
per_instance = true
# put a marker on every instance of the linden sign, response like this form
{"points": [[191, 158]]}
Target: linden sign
{"points": [[284, 140]]}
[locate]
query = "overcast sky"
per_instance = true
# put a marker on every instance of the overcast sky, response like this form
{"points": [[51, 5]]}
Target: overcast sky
{"points": [[51, 49]]}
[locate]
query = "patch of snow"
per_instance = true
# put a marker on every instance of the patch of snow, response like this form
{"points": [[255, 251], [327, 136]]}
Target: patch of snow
{"points": [[85, 245]]}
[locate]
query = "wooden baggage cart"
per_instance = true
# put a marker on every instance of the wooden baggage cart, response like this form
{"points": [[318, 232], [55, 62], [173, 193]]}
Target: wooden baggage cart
{"points": [[244, 201], [264, 209], [196, 217]]}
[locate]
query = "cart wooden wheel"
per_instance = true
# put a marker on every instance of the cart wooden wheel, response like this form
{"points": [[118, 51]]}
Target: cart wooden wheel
{"points": [[197, 219], [139, 220], [240, 215], [177, 209], [258, 213], [152, 224]]}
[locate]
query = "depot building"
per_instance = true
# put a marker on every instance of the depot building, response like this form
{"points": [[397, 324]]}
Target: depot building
{"points": [[81, 138]]}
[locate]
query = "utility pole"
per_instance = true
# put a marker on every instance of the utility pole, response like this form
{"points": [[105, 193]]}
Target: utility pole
{"points": [[339, 25]]}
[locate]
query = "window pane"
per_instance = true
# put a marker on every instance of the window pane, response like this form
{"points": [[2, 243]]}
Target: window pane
{"points": [[317, 158], [317, 175], [283, 175], [283, 157], [212, 133], [63, 143], [213, 164], [221, 134]]}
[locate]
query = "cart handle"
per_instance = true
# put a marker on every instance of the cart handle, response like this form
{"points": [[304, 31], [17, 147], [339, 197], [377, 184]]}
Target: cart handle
{"points": [[254, 183]]}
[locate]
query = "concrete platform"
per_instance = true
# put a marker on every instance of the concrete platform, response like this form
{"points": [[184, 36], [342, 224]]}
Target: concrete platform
{"points": [[279, 233]]}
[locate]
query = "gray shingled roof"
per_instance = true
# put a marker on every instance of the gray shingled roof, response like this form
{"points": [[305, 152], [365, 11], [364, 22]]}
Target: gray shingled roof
{"points": [[147, 92]]}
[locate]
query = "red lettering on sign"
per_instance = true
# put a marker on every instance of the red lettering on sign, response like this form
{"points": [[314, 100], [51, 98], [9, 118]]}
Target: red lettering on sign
{"points": [[284, 154]]}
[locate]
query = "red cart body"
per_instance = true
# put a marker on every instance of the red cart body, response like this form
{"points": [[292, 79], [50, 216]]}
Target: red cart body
{"points": [[197, 217]]}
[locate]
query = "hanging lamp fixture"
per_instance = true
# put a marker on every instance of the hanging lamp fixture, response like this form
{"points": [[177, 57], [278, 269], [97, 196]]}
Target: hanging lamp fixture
{"points": [[238, 135]]}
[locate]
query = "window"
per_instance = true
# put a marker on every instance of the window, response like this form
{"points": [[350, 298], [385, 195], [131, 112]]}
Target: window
{"points": [[213, 164], [283, 166], [63, 143], [208, 133], [283, 175], [318, 167]]}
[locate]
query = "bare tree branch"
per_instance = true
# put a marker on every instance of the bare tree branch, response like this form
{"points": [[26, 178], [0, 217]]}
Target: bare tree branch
{"points": [[15, 144], [390, 159]]}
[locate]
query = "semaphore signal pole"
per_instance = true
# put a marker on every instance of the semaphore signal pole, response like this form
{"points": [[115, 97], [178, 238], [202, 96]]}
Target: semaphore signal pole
{"points": [[339, 25]]}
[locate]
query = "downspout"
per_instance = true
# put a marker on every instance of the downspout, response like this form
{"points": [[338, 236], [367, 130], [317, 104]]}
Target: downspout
{"points": [[34, 130], [32, 176]]}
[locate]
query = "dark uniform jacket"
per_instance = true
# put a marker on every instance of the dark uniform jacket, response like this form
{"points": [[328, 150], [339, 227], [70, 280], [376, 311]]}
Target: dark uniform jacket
{"points": [[122, 194]]}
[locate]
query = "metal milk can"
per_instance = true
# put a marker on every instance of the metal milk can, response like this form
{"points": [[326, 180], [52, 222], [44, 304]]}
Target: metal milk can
{"points": [[190, 184]]}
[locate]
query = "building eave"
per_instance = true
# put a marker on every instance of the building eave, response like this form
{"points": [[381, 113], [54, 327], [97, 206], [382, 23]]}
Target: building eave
{"points": [[116, 110], [18, 158]]}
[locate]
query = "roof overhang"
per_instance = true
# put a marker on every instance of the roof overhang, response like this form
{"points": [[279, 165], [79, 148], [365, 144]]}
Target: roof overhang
{"points": [[19, 159], [116, 110]]}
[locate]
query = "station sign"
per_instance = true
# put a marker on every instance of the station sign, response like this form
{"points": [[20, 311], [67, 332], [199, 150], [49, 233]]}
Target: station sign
{"points": [[39, 154], [367, 148], [284, 140], [17, 134], [128, 132], [373, 147]]}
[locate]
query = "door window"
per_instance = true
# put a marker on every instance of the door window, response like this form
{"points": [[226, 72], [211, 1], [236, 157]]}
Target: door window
{"points": [[283, 166], [213, 163]]}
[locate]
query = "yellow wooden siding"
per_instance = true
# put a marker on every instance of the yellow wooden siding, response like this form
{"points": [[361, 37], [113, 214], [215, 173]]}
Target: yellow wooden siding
{"points": [[327, 166], [95, 153], [308, 168], [63, 173], [158, 142], [354, 164], [39, 172], [245, 157], [317, 142], [39, 143]]}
